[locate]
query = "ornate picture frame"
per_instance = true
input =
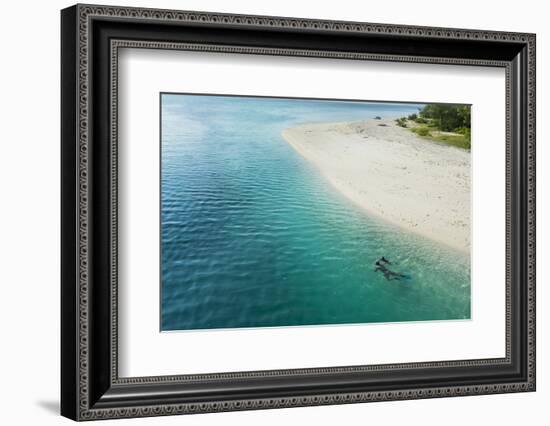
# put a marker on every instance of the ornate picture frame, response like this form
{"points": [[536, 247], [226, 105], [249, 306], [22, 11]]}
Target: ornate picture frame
{"points": [[91, 37]]}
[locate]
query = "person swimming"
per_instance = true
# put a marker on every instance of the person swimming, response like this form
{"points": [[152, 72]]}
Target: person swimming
{"points": [[380, 265]]}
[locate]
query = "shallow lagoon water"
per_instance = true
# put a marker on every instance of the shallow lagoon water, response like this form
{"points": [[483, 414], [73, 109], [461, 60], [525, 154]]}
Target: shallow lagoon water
{"points": [[252, 235]]}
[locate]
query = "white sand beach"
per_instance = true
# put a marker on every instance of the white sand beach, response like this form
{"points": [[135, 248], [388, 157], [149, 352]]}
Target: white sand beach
{"points": [[391, 172]]}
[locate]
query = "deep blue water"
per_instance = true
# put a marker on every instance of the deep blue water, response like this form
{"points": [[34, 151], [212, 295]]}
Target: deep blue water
{"points": [[252, 235]]}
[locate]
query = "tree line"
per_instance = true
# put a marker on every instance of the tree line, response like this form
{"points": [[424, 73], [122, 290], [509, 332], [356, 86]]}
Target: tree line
{"points": [[447, 118], [445, 123]]}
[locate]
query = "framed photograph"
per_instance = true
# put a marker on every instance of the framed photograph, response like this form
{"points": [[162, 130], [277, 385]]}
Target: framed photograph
{"points": [[263, 212]]}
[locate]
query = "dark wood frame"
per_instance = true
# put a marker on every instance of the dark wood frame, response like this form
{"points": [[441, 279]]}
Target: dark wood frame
{"points": [[91, 37]]}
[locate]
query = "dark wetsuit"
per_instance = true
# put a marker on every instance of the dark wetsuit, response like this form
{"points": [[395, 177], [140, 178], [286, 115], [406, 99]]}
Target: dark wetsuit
{"points": [[388, 274], [379, 267]]}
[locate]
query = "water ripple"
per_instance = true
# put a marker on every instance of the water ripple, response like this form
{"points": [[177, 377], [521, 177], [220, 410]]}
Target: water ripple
{"points": [[252, 235]]}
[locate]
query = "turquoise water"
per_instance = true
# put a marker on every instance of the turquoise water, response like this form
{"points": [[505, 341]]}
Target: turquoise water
{"points": [[252, 235]]}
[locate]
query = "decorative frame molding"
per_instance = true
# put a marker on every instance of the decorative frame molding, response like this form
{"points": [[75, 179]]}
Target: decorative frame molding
{"points": [[91, 388]]}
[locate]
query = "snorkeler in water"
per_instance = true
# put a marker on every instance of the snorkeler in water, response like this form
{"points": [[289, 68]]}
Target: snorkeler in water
{"points": [[380, 265]]}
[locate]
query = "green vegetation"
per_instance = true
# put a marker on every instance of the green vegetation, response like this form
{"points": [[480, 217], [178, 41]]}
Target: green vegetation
{"points": [[421, 131], [448, 124], [421, 120], [448, 118], [453, 139], [402, 122]]}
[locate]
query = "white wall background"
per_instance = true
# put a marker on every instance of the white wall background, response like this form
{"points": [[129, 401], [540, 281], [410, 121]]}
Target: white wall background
{"points": [[29, 211]]}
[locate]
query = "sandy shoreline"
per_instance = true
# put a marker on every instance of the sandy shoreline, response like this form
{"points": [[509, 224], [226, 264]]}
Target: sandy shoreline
{"points": [[419, 185]]}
